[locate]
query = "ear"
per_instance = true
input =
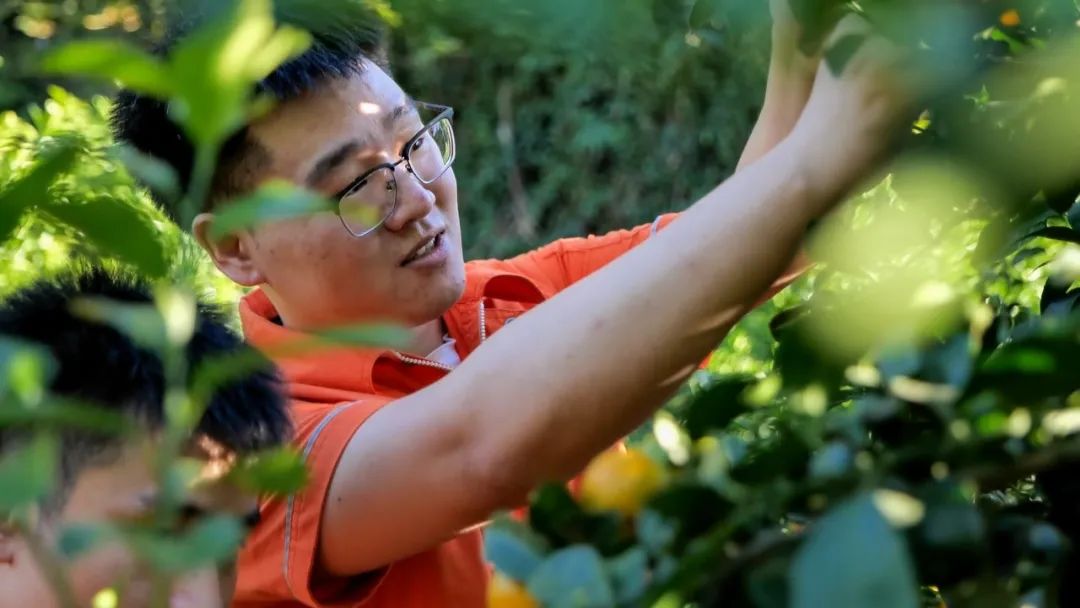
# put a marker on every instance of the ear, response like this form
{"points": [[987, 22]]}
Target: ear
{"points": [[231, 253], [7, 544]]}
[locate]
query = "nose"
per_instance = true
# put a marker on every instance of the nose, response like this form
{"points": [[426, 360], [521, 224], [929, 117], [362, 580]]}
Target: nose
{"points": [[414, 200]]}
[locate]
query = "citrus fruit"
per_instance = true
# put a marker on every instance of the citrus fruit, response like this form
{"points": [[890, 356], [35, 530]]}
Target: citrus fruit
{"points": [[504, 592], [620, 481]]}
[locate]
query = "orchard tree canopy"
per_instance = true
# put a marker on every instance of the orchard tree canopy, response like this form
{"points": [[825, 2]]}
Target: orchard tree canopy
{"points": [[900, 428]]}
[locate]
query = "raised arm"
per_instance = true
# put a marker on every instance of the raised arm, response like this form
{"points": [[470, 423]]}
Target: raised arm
{"points": [[545, 394]]}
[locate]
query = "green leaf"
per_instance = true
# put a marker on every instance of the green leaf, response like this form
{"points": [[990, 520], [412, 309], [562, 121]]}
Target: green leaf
{"points": [[573, 578], [61, 414], [216, 67], [117, 229], [278, 472], [832, 461], [273, 202], [853, 558], [629, 575], [28, 474], [1057, 233], [512, 552], [142, 323], [158, 176], [79, 539], [690, 509], [559, 518], [112, 60], [702, 13], [840, 53], [714, 407], [33, 188], [210, 541]]}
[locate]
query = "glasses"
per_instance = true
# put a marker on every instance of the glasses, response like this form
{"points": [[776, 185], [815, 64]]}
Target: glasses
{"points": [[366, 203]]}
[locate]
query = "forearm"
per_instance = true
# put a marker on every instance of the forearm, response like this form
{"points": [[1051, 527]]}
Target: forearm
{"points": [[790, 81], [588, 366]]}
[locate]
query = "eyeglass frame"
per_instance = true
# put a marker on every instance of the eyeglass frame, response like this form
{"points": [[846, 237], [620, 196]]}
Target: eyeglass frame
{"points": [[444, 113]]}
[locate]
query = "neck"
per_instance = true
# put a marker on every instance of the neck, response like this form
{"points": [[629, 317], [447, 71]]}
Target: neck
{"points": [[427, 337]]}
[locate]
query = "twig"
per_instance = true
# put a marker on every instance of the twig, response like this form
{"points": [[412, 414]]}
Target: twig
{"points": [[50, 565], [998, 477]]}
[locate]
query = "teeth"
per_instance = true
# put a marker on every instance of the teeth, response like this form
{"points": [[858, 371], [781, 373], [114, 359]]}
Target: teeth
{"points": [[426, 249]]}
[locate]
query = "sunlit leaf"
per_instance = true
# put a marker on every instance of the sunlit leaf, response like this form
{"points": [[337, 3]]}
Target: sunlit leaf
{"points": [[112, 60], [272, 202], [116, 229], [278, 472]]}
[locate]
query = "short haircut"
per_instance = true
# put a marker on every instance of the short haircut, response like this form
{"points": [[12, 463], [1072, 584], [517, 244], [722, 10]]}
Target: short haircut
{"points": [[341, 39], [99, 365]]}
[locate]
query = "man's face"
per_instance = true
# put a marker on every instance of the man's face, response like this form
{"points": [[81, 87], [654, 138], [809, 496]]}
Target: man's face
{"points": [[123, 493], [317, 273]]}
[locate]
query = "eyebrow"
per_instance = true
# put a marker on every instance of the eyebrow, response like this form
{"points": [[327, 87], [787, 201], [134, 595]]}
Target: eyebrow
{"points": [[332, 160]]}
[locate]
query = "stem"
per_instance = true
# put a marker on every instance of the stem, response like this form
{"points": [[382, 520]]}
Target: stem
{"points": [[998, 477], [201, 177], [51, 567]]}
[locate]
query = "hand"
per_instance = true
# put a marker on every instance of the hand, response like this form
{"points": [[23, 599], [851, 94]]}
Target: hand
{"points": [[786, 33], [851, 120]]}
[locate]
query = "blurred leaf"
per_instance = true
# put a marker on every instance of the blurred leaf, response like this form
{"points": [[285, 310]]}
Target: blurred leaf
{"points": [[512, 552], [79, 539], [655, 532], [715, 406], [157, 175], [278, 472], [702, 13], [210, 541], [559, 518], [112, 60], [689, 509], [1057, 233], [272, 202], [832, 461], [840, 53], [853, 558], [629, 575], [215, 67], [142, 323], [28, 474], [572, 577], [116, 229], [32, 188], [57, 414]]}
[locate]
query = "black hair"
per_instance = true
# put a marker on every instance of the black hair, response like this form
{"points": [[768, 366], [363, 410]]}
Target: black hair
{"points": [[343, 34], [98, 365]]}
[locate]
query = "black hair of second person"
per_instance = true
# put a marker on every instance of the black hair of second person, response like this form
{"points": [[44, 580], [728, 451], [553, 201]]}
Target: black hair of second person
{"points": [[338, 47], [97, 364]]}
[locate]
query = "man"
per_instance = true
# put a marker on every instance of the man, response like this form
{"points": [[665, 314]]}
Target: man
{"points": [[110, 479], [407, 459]]}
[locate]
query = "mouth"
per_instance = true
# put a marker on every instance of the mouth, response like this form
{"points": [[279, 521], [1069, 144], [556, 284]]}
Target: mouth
{"points": [[427, 250]]}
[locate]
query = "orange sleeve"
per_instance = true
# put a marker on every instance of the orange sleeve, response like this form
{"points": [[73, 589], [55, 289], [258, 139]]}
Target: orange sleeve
{"points": [[566, 261], [277, 564]]}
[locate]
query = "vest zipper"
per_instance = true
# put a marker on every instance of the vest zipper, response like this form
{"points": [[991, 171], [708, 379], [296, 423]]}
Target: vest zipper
{"points": [[423, 362], [483, 322], [447, 368]]}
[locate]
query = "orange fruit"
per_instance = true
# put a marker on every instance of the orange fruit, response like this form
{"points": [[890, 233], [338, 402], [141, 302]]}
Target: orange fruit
{"points": [[1010, 18], [621, 481], [504, 592]]}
